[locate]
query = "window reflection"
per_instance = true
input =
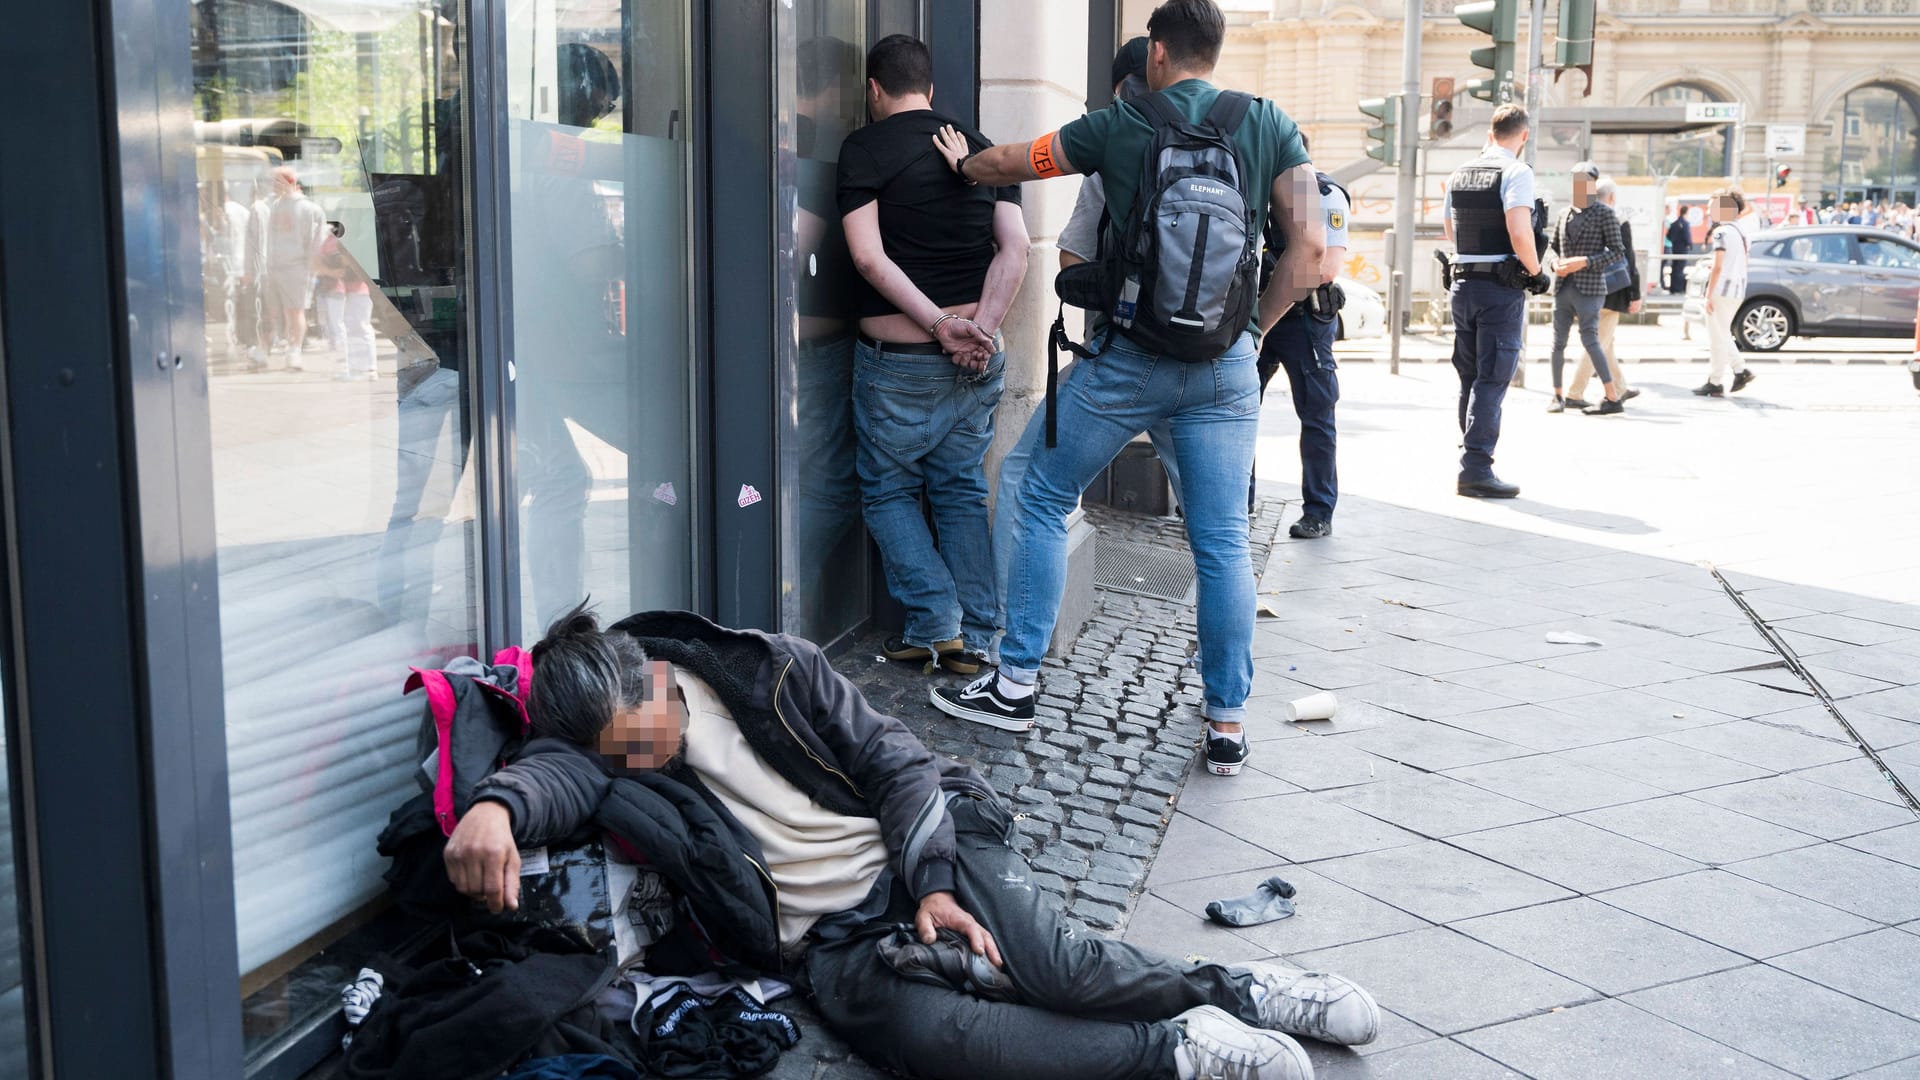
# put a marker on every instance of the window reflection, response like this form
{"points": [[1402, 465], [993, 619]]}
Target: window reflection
{"points": [[1874, 152], [1693, 153], [598, 143], [330, 161]]}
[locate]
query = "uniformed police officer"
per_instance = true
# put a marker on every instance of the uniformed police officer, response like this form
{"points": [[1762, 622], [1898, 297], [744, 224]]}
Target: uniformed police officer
{"points": [[1302, 342], [1491, 217]]}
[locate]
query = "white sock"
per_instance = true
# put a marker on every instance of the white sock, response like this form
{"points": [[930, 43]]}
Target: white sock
{"points": [[1011, 690], [1231, 736]]}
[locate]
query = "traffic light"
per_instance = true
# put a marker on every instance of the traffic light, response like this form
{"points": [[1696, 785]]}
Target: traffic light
{"points": [[1573, 41], [1440, 121], [1387, 131], [1781, 175], [1499, 19]]}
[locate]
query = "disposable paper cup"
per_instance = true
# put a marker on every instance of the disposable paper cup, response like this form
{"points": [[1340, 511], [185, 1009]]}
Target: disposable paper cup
{"points": [[1320, 706]]}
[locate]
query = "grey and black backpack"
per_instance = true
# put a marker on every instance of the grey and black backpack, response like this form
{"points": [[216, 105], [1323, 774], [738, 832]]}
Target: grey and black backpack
{"points": [[1184, 277]]}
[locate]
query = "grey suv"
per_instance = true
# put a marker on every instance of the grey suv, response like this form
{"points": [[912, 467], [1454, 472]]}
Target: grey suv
{"points": [[1822, 281]]}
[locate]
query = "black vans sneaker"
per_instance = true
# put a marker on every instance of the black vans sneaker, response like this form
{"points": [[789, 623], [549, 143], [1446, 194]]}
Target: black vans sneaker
{"points": [[980, 702], [1224, 755]]}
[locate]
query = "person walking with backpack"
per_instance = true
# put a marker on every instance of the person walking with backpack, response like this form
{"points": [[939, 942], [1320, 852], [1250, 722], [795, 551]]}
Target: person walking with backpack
{"points": [[940, 262], [1181, 292]]}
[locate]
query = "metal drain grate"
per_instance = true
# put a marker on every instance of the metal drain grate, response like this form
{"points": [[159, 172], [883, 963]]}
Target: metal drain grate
{"points": [[1143, 570]]}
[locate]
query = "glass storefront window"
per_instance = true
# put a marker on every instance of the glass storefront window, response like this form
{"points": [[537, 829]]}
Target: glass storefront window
{"points": [[1693, 153], [598, 140], [1873, 154], [331, 164], [824, 551]]}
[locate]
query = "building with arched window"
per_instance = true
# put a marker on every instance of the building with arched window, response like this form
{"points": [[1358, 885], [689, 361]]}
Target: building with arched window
{"points": [[1834, 65]]}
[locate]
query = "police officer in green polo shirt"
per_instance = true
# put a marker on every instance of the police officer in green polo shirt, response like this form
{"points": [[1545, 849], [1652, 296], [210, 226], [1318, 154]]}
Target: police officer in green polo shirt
{"points": [[1212, 406]]}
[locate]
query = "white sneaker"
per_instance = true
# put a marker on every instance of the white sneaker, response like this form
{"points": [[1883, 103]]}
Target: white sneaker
{"points": [[1313, 1004], [1215, 1046]]}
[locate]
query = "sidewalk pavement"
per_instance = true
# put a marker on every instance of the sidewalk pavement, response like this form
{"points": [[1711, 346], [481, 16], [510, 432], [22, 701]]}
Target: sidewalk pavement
{"points": [[1656, 855], [1666, 341]]}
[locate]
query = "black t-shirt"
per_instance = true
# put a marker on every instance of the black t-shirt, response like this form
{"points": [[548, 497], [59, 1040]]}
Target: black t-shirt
{"points": [[933, 225]]}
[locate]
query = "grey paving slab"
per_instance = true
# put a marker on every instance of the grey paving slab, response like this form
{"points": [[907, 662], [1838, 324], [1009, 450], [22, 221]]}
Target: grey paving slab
{"points": [[1304, 828], [1428, 1060], [1425, 625], [1613, 951], [1735, 913], [1317, 764], [1205, 789], [1420, 594], [1352, 715], [1854, 881], [1785, 1020], [1769, 747], [1607, 1040], [1552, 782], [1519, 643], [1887, 611], [1440, 883], [1638, 711], [1704, 656], [1326, 913], [1425, 744], [1847, 631], [1901, 703], [1665, 765], [1859, 776], [1616, 668], [1543, 728], [1192, 849], [1339, 671], [1810, 808], [1424, 974], [1882, 968], [1574, 854], [1807, 646], [1332, 635], [1841, 685], [1901, 844], [1812, 598], [1503, 611], [1396, 1032], [1898, 1070], [1169, 930], [1436, 806], [1524, 682], [1881, 732], [1733, 696], [1687, 618], [1699, 831], [1268, 683], [1883, 663], [1421, 657]]}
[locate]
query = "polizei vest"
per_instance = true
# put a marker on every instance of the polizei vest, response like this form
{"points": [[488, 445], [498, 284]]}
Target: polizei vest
{"points": [[1479, 219]]}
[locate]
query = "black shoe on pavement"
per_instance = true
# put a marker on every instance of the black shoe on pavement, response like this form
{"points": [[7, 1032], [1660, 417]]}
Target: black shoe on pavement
{"points": [[1740, 381], [1629, 395], [1491, 487], [1558, 404], [1574, 403], [1308, 528], [1709, 390], [1224, 755], [1605, 408], [964, 662], [980, 702]]}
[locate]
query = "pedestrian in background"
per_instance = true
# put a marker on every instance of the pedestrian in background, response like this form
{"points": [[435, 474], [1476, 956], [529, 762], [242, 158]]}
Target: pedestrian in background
{"points": [[1679, 242], [1586, 244], [1726, 289], [1622, 301]]}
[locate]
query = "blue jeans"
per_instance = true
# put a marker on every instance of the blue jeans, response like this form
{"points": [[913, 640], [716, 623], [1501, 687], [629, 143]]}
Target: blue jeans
{"points": [[1489, 324], [1304, 346], [1212, 410], [1568, 304], [925, 424]]}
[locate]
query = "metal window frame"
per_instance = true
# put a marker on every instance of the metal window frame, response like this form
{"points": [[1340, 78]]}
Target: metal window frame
{"points": [[116, 682]]}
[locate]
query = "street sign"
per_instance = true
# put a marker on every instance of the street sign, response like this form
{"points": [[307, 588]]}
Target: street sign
{"points": [[1713, 112], [1786, 140]]}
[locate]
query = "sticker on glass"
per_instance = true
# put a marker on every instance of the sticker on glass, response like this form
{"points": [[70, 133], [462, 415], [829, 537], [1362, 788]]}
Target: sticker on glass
{"points": [[748, 496]]}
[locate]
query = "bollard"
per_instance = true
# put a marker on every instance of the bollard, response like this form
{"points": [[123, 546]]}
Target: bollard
{"points": [[1913, 365]]}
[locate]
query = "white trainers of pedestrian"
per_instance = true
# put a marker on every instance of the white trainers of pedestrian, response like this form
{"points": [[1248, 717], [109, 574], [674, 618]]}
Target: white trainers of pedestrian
{"points": [[1215, 1046], [1313, 1004]]}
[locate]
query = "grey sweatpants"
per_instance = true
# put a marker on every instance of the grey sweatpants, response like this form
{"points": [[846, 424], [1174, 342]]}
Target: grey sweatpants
{"points": [[1091, 1008]]}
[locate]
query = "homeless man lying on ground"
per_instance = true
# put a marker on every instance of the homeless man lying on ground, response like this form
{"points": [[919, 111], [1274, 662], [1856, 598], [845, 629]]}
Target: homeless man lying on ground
{"points": [[851, 828]]}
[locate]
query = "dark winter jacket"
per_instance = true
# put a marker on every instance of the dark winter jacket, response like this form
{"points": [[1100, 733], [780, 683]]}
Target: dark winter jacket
{"points": [[803, 718]]}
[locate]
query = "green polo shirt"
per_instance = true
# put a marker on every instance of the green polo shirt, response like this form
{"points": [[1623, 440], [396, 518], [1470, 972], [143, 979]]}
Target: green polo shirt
{"points": [[1113, 143]]}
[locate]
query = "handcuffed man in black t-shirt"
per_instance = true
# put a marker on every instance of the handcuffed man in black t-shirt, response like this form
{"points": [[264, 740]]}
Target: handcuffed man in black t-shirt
{"points": [[940, 261]]}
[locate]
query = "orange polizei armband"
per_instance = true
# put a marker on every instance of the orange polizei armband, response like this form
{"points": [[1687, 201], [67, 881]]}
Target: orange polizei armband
{"points": [[1040, 155]]}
